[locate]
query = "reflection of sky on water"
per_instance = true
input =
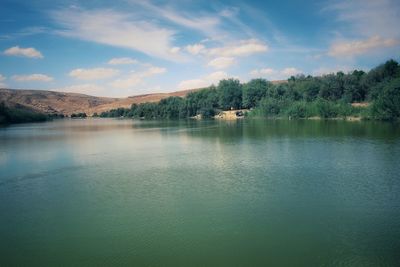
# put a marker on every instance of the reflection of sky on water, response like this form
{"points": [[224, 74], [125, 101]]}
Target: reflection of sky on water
{"points": [[244, 186]]}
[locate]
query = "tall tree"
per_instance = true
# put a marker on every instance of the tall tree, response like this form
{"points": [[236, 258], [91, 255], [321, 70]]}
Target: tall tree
{"points": [[230, 94], [254, 91]]}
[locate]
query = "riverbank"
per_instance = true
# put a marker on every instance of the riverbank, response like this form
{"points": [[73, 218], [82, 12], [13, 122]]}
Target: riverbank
{"points": [[231, 114], [246, 113]]}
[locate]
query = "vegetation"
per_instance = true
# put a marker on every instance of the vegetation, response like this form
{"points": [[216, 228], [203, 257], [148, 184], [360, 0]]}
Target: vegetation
{"points": [[327, 96], [78, 115], [387, 104], [19, 114]]}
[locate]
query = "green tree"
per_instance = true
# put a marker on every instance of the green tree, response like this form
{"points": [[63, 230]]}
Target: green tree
{"points": [[354, 90], [270, 107], [307, 88], [147, 110], [332, 86], [387, 105], [19, 114], [230, 94], [171, 108], [198, 101], [254, 91]]}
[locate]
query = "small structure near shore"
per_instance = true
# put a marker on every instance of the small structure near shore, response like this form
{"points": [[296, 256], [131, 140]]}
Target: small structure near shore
{"points": [[231, 114]]}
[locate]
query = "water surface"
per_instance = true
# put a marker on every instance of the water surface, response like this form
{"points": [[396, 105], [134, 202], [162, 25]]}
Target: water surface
{"points": [[248, 193]]}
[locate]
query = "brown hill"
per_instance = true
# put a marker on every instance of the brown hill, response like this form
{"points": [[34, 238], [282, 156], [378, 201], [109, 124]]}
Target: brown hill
{"points": [[68, 103]]}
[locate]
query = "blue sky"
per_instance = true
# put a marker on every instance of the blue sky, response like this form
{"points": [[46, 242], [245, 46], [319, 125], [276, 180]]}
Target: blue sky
{"points": [[130, 47]]}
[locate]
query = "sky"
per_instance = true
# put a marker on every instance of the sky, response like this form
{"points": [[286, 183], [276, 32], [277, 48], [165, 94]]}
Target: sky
{"points": [[122, 48]]}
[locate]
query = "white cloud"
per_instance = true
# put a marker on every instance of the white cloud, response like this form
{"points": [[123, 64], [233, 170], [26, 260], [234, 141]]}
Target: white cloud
{"points": [[175, 50], [358, 47], [244, 48], [116, 29], [290, 72], [221, 62], [195, 49], [122, 61], [206, 24], [262, 72], [24, 52], [205, 81], [137, 78], [223, 57], [24, 32], [93, 74], [193, 84], [215, 77], [32, 78]]}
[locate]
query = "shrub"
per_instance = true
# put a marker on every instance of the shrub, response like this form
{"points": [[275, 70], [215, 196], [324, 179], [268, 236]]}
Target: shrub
{"points": [[387, 105]]}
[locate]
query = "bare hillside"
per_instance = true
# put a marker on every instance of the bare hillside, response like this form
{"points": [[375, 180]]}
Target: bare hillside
{"points": [[68, 103]]}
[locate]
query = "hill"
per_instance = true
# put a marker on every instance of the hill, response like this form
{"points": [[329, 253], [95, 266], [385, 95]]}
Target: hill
{"points": [[52, 102]]}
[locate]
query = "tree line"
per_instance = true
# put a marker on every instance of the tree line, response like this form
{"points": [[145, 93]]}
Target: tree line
{"points": [[19, 114], [301, 96]]}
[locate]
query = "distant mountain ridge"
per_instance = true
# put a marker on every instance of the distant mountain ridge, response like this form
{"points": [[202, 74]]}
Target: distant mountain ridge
{"points": [[52, 102]]}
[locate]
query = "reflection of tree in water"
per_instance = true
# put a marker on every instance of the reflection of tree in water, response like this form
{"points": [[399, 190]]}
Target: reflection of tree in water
{"points": [[261, 129]]}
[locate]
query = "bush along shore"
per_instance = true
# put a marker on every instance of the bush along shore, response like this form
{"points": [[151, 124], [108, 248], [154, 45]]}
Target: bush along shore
{"points": [[356, 95], [21, 114]]}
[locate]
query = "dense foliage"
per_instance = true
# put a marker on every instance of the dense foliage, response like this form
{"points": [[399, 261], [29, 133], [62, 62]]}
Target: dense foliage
{"points": [[81, 115], [326, 96], [19, 114]]}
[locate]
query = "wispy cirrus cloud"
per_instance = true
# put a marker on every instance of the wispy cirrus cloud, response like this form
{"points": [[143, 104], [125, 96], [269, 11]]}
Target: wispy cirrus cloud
{"points": [[32, 78], [208, 24], [213, 26], [23, 52], [93, 74], [134, 30], [116, 28], [28, 31], [366, 26], [367, 17]]}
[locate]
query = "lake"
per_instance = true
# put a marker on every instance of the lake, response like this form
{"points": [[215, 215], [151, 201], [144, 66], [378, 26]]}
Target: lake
{"points": [[105, 192]]}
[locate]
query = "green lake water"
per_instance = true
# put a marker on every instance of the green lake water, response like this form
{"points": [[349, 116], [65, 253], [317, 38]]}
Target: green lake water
{"points": [[103, 192]]}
